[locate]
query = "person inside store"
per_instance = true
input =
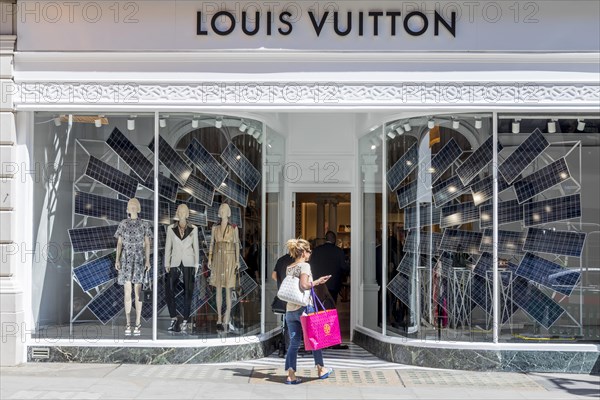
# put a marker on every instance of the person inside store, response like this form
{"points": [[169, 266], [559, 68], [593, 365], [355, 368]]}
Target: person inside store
{"points": [[133, 261], [278, 306], [224, 264], [182, 254], [299, 250], [329, 259]]}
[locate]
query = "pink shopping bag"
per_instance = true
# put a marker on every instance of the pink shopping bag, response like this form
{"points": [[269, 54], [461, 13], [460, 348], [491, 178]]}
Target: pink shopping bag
{"points": [[320, 329]]}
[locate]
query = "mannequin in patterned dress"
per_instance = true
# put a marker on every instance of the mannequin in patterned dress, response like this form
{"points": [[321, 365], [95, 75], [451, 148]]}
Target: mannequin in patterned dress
{"points": [[224, 262], [133, 260]]}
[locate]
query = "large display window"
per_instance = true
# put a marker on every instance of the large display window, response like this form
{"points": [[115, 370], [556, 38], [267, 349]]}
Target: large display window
{"points": [[135, 260], [446, 225]]}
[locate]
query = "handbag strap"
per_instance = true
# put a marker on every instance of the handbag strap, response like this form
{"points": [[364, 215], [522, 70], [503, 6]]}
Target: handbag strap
{"points": [[314, 296]]}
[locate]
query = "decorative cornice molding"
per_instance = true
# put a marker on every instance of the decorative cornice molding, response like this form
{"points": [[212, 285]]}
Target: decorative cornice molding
{"points": [[317, 95], [7, 43]]}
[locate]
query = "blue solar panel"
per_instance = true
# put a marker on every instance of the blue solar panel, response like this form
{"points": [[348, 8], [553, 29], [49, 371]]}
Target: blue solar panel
{"points": [[93, 205], [400, 287], [243, 265], [172, 161], [130, 154], [248, 285], [429, 242], [508, 211], [563, 243], [477, 161], [535, 303], [523, 156], [461, 241], [428, 215], [459, 214], [161, 299], [200, 189], [241, 166], [206, 163], [480, 294], [93, 239], [407, 194], [542, 180], [546, 273], [202, 294], [484, 189], [446, 264], [410, 262], [167, 187], [111, 177], [551, 210], [484, 266], [444, 158], [107, 304], [509, 242], [234, 191], [96, 272], [449, 190], [403, 167]]}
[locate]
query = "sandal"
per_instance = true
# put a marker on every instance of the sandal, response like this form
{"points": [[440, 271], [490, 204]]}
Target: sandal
{"points": [[128, 330], [326, 375], [137, 331], [294, 382]]}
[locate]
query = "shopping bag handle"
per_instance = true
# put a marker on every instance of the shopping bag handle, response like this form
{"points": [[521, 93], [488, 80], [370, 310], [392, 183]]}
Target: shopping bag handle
{"points": [[314, 296]]}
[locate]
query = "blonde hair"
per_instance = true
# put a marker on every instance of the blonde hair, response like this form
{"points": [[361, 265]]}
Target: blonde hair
{"points": [[297, 246], [135, 203]]}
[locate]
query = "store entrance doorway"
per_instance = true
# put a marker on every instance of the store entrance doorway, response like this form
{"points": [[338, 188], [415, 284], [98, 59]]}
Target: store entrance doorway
{"points": [[316, 215]]}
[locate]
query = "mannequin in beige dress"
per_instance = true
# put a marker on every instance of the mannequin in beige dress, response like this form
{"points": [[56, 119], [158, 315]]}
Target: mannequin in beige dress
{"points": [[224, 262]]}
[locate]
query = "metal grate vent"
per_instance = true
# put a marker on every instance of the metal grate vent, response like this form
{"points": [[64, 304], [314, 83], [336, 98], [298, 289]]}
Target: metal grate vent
{"points": [[38, 353]]}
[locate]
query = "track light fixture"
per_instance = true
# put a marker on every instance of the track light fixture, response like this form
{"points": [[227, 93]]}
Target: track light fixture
{"points": [[391, 134], [431, 123], [195, 123], [243, 127], [407, 126], [580, 125], [131, 123], [250, 131], [162, 122], [257, 134], [516, 126], [552, 126], [478, 123], [57, 121], [399, 130], [219, 122], [455, 123], [98, 122]]}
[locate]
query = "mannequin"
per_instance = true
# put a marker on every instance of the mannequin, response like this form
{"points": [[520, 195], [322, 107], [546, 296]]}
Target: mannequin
{"points": [[133, 260], [181, 257], [224, 263]]}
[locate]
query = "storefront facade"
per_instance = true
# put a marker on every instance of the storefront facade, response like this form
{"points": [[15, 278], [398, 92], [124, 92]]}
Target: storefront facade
{"points": [[466, 135]]}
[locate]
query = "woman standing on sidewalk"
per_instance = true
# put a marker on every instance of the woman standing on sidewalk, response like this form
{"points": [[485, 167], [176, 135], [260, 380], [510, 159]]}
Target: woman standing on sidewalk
{"points": [[299, 250]]}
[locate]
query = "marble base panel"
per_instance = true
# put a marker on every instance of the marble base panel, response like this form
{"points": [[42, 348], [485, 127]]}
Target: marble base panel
{"points": [[155, 355], [482, 360]]}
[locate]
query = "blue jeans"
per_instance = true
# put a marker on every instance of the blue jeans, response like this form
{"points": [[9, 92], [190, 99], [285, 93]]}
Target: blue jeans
{"points": [[292, 320]]}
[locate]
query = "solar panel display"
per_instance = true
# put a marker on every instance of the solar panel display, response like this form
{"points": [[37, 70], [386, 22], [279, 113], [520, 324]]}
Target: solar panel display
{"points": [[93, 239], [234, 191], [552, 210], [508, 211], [564, 243], [480, 294], [409, 262], [428, 215], [509, 242], [130, 154], [199, 189], [403, 167], [449, 190], [176, 165], [484, 189], [542, 180], [546, 273], [477, 161], [96, 272], [461, 241], [446, 264], [536, 304], [201, 296], [484, 265], [399, 286], [429, 242], [241, 166], [107, 304], [93, 205], [111, 177], [407, 194], [206, 163], [167, 187], [523, 156], [459, 214], [444, 158], [243, 265]]}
